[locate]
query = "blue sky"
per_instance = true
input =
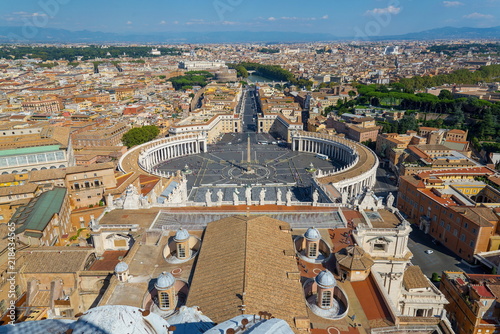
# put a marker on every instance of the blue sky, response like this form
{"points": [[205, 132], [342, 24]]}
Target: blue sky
{"points": [[338, 17]]}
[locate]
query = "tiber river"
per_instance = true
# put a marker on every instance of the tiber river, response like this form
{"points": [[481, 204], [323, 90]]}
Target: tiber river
{"points": [[257, 78]]}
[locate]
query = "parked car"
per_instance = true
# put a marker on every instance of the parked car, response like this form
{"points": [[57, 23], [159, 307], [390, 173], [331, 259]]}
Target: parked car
{"points": [[429, 251]]}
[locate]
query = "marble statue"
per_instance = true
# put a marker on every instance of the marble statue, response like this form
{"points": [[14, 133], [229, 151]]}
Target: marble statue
{"points": [[262, 196], [248, 195], [208, 198], [289, 197], [220, 195], [315, 197], [278, 197], [390, 200], [236, 200]]}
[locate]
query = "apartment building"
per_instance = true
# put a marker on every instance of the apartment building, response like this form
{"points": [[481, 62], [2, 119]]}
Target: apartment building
{"points": [[473, 307], [453, 207]]}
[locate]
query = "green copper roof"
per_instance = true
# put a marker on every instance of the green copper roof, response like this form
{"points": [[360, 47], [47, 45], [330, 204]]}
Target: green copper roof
{"points": [[37, 214], [29, 150]]}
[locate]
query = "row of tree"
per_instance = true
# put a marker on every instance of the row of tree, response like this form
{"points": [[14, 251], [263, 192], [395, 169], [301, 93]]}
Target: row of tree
{"points": [[480, 117], [462, 76], [190, 79]]}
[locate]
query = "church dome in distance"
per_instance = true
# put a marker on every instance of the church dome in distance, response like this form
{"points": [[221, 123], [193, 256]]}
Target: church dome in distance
{"points": [[312, 234], [325, 279], [121, 267], [181, 235], [164, 281]]}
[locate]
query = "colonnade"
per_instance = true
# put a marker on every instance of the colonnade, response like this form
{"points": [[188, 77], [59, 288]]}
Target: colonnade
{"points": [[169, 151], [352, 154], [332, 149], [146, 156]]}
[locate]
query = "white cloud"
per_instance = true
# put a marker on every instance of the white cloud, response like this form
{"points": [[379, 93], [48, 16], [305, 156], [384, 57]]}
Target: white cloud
{"points": [[478, 16], [296, 18], [129, 22], [15, 16], [452, 3], [163, 22], [388, 10]]}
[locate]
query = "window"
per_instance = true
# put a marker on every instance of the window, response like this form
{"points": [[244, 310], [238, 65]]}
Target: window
{"points": [[471, 244], [448, 227], [181, 251], [462, 237], [474, 231], [455, 232], [441, 223], [164, 300], [466, 225], [313, 248], [379, 247], [326, 299]]}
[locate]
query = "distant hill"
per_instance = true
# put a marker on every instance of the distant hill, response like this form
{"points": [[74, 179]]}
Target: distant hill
{"points": [[51, 35], [448, 33]]}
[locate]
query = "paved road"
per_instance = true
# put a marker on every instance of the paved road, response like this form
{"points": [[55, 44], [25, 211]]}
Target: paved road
{"points": [[249, 111], [441, 259], [384, 185]]}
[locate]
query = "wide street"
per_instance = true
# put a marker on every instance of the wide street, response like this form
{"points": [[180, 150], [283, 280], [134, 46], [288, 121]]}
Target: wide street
{"points": [[249, 115]]}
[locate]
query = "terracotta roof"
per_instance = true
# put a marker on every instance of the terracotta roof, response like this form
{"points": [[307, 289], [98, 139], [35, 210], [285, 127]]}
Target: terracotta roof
{"points": [[414, 278], [54, 260], [354, 258], [482, 216], [60, 173], [457, 172], [17, 190], [242, 261], [482, 291]]}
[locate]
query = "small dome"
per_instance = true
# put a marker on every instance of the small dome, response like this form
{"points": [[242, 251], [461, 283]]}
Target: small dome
{"points": [[164, 281], [312, 234], [326, 280], [121, 267], [181, 235]]}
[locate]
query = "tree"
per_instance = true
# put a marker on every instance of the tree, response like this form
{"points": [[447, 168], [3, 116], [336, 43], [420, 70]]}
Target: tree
{"points": [[138, 136], [488, 125], [445, 94]]}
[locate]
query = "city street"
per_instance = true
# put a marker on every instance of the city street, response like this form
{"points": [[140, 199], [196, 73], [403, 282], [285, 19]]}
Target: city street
{"points": [[384, 184], [249, 116], [441, 258]]}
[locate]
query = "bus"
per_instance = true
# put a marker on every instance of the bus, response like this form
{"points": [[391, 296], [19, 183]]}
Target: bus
{"points": [[322, 156]]}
